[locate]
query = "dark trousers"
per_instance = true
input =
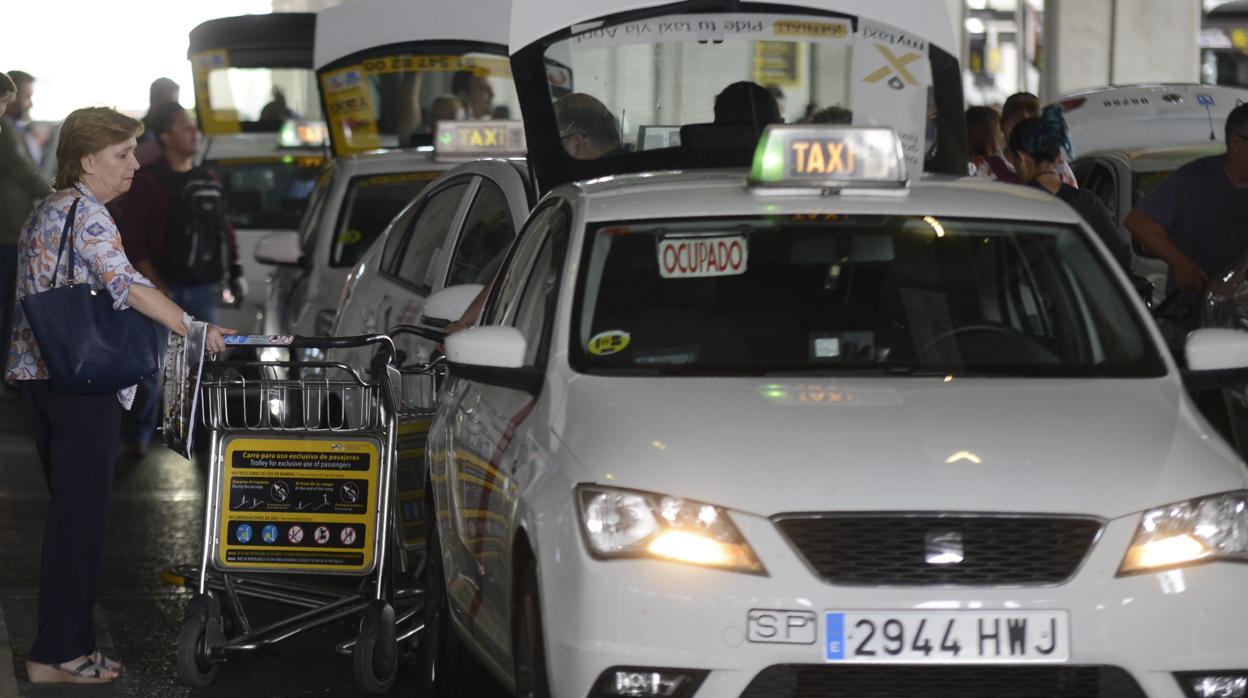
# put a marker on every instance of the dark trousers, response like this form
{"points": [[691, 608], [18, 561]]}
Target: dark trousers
{"points": [[76, 435]]}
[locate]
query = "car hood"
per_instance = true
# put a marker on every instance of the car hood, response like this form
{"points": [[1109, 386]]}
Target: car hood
{"points": [[1099, 447]]}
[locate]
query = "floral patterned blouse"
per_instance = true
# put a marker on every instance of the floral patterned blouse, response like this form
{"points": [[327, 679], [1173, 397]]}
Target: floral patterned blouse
{"points": [[98, 258]]}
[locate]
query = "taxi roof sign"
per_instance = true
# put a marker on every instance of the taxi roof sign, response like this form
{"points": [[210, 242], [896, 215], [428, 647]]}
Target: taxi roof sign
{"points": [[836, 157], [468, 140]]}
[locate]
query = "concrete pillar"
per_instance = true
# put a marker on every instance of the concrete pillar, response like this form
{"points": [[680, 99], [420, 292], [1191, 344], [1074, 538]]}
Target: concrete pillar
{"points": [[1091, 43]]}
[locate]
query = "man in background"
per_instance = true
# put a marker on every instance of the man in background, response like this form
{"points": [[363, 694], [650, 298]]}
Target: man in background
{"points": [[476, 93], [21, 186], [162, 91], [175, 225]]}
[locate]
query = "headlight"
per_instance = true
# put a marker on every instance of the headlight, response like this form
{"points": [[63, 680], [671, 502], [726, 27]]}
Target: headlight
{"points": [[1199, 530], [628, 524]]}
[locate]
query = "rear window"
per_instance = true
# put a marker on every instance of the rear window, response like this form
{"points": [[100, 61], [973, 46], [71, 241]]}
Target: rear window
{"points": [[867, 295], [370, 204], [267, 192]]}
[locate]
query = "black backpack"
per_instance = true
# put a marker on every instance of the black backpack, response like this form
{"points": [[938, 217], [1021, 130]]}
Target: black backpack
{"points": [[195, 241]]}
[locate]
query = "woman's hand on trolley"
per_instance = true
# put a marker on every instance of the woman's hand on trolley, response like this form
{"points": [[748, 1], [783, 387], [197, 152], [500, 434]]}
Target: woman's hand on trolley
{"points": [[216, 339]]}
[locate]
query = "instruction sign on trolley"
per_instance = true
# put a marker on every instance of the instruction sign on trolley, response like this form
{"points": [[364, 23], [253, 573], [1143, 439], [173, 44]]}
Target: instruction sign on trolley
{"points": [[298, 504]]}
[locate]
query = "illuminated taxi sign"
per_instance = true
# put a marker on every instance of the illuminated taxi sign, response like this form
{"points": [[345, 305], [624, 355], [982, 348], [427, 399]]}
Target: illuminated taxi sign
{"points": [[475, 139], [828, 156]]}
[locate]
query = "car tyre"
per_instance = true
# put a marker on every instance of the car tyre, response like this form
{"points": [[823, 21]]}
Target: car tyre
{"points": [[528, 637], [448, 669]]}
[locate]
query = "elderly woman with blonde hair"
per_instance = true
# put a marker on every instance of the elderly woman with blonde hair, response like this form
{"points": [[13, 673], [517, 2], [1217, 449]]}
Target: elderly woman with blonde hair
{"points": [[76, 433]]}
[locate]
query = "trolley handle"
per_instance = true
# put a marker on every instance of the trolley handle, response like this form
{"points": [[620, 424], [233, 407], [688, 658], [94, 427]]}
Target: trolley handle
{"points": [[297, 342], [426, 332]]}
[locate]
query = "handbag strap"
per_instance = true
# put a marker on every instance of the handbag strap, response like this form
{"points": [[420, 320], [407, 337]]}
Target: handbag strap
{"points": [[67, 233]]}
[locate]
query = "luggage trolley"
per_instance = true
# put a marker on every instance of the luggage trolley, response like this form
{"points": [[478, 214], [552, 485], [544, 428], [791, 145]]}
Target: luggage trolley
{"points": [[301, 481]]}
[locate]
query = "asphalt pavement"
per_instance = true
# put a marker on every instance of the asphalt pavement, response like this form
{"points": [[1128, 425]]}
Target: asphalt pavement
{"points": [[155, 521]]}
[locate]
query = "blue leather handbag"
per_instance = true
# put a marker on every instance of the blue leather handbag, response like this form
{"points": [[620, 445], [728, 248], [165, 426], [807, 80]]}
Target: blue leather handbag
{"points": [[87, 346]]}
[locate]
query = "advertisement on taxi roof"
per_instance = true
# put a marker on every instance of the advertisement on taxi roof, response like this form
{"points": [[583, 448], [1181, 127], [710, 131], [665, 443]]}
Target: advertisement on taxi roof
{"points": [[298, 504], [892, 77], [350, 111], [213, 121]]}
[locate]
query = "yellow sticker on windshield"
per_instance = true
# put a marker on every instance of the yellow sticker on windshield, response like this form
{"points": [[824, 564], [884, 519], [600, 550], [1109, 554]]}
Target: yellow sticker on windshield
{"points": [[608, 343], [481, 66]]}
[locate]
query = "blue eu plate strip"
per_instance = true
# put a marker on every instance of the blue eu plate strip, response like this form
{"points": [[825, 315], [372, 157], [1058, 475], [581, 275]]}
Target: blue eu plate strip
{"points": [[834, 642]]}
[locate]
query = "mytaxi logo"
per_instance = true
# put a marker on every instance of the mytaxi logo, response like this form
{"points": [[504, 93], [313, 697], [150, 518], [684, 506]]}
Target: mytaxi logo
{"points": [[896, 67]]}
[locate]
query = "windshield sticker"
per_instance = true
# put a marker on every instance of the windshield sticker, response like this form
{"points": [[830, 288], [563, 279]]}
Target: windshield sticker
{"points": [[714, 27], [827, 347], [686, 258], [674, 356], [349, 106], [480, 66], [213, 122], [608, 343]]}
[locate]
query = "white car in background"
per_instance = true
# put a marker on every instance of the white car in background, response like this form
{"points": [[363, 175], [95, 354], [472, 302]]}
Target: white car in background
{"points": [[1143, 116], [455, 233], [386, 71]]}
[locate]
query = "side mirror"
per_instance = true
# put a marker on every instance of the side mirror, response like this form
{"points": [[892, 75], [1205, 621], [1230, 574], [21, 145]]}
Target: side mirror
{"points": [[1216, 357], [495, 356], [449, 304], [281, 248]]}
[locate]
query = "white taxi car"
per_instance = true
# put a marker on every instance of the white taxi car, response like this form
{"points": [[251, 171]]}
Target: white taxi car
{"points": [[820, 431], [388, 73], [456, 232]]}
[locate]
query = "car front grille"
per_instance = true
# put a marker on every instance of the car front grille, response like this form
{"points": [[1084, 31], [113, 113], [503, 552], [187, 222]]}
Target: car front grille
{"points": [[897, 550], [821, 681]]}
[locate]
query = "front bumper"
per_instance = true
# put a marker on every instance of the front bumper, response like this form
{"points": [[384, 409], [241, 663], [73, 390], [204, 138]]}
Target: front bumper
{"points": [[646, 613]]}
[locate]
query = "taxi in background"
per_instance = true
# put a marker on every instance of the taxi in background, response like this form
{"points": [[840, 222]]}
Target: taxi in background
{"points": [[386, 81], [455, 233], [821, 430], [264, 134]]}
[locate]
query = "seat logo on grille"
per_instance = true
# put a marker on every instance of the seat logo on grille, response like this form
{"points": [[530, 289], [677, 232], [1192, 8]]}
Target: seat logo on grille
{"points": [[944, 547]]}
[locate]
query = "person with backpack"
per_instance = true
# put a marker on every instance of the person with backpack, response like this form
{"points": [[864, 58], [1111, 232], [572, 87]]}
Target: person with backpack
{"points": [[177, 233]]}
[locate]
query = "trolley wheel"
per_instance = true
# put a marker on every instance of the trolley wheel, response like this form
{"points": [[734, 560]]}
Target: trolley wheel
{"points": [[194, 665], [376, 653]]}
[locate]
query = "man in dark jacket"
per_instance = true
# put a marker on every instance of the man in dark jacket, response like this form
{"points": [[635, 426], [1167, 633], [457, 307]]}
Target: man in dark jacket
{"points": [[177, 232], [21, 186]]}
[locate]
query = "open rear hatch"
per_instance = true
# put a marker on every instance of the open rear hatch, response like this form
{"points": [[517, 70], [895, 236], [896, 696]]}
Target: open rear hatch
{"points": [[389, 70], [611, 87]]}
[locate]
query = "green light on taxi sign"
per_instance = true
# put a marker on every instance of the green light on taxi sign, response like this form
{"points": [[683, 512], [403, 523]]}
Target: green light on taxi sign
{"points": [[446, 138], [800, 155]]}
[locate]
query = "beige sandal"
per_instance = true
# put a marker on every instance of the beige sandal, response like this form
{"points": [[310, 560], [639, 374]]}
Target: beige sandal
{"points": [[108, 663], [85, 671]]}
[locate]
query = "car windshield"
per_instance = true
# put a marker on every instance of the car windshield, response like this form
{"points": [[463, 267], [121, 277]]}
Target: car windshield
{"points": [[256, 99], [872, 295], [395, 99], [705, 85], [371, 203], [267, 192]]}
